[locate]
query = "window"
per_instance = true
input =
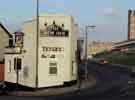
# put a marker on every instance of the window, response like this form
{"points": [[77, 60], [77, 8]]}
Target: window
{"points": [[74, 68], [53, 68], [25, 71], [17, 63], [9, 66], [10, 42]]}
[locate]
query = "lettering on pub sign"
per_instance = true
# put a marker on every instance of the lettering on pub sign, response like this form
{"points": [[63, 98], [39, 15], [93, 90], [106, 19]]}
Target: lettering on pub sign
{"points": [[54, 30]]}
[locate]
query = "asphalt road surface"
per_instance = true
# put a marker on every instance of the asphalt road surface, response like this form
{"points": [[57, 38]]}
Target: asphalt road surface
{"points": [[112, 83]]}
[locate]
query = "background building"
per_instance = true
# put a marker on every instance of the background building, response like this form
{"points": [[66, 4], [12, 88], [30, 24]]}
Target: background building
{"points": [[129, 44], [97, 47], [131, 24]]}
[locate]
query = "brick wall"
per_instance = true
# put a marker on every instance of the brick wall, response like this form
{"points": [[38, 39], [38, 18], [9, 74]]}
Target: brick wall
{"points": [[1, 72]]}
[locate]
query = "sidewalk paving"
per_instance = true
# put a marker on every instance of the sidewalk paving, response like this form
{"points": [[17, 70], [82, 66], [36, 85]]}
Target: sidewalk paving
{"points": [[91, 82]]}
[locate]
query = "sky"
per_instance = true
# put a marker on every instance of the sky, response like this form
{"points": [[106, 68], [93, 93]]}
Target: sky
{"points": [[109, 16]]}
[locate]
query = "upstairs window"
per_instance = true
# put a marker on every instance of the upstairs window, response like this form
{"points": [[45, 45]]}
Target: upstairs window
{"points": [[11, 43]]}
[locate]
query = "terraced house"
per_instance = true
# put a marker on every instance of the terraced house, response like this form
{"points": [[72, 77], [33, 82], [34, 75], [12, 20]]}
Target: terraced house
{"points": [[5, 39]]}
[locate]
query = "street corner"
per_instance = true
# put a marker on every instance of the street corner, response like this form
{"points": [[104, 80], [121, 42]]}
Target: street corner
{"points": [[52, 91], [22, 94], [85, 84]]}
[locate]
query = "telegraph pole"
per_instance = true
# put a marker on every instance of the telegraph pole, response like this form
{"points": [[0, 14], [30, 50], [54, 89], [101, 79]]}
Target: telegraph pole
{"points": [[86, 39], [37, 41]]}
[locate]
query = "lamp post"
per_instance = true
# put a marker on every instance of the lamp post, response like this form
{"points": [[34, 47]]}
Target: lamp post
{"points": [[86, 47]]}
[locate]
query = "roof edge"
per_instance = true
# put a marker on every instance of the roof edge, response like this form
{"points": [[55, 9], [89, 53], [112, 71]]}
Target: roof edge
{"points": [[8, 33]]}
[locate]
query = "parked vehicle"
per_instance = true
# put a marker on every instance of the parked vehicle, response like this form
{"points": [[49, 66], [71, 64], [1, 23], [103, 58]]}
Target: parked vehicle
{"points": [[103, 61], [89, 57]]}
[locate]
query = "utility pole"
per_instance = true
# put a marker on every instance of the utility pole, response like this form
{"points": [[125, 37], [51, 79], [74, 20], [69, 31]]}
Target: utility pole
{"points": [[37, 41]]}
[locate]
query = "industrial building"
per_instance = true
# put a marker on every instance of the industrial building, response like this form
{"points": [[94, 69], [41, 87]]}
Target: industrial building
{"points": [[97, 47], [131, 24]]}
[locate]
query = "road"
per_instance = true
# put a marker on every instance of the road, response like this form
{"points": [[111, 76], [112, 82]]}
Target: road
{"points": [[111, 84]]}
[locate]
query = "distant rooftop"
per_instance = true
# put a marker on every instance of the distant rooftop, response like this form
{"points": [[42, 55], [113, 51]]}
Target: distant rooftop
{"points": [[126, 41]]}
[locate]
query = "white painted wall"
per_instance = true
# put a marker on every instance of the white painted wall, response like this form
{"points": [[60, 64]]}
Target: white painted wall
{"points": [[29, 30], [66, 71], [28, 58]]}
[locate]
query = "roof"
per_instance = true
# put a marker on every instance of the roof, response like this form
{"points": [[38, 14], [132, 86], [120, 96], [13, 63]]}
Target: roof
{"points": [[18, 33], [49, 15], [124, 43], [55, 14], [5, 30]]}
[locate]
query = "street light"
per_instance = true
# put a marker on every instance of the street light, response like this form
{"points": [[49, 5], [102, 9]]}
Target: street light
{"points": [[86, 42]]}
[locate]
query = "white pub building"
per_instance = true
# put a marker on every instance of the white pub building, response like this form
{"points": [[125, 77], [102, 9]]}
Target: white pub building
{"points": [[43, 60]]}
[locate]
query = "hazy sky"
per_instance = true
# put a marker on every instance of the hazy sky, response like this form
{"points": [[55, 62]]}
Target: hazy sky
{"points": [[109, 16]]}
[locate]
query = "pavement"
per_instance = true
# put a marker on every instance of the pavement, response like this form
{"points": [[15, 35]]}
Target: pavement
{"points": [[84, 84], [111, 84]]}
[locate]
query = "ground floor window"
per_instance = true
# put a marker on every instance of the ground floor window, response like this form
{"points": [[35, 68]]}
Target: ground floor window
{"points": [[9, 66], [17, 63], [53, 68]]}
